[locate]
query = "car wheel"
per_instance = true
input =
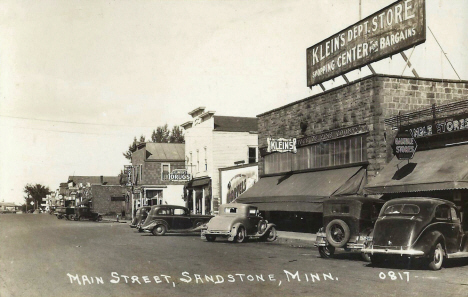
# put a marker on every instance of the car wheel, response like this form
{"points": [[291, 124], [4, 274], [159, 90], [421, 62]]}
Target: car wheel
{"points": [[338, 233], [326, 251], [366, 257], [159, 230], [437, 257], [210, 238], [240, 237], [71, 217], [99, 218], [271, 235]]}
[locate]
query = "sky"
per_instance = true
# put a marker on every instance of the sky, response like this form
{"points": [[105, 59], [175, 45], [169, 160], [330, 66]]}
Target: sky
{"points": [[80, 79]]}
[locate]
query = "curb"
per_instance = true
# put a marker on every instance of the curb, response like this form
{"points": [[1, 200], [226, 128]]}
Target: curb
{"points": [[296, 241]]}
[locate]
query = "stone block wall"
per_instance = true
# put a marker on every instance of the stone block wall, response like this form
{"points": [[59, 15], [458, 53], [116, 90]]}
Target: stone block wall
{"points": [[369, 100], [102, 202], [152, 173]]}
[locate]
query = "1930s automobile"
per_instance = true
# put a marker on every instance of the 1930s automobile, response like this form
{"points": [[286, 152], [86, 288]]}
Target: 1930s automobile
{"points": [[172, 218], [427, 228], [140, 217], [86, 213], [237, 222], [347, 222]]}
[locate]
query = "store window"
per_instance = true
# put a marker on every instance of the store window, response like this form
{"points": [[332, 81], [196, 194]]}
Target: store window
{"points": [[321, 155], [206, 161], [165, 170], [252, 155]]}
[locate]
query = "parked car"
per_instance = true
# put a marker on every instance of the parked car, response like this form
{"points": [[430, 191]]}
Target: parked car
{"points": [[172, 218], [237, 222], [427, 228], [140, 217], [347, 221], [85, 213]]}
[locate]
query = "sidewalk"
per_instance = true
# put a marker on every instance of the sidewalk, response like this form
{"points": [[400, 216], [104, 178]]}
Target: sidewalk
{"points": [[284, 237], [296, 238]]}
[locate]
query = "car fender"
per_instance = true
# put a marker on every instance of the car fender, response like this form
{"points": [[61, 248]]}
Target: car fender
{"points": [[234, 229], [428, 240], [269, 225], [154, 223]]}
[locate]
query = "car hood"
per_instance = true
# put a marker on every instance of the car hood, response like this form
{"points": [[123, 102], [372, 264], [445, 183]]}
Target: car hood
{"points": [[396, 230], [220, 223]]}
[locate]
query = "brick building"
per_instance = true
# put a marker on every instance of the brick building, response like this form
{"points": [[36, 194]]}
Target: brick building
{"points": [[152, 164], [102, 194], [342, 143], [213, 142]]}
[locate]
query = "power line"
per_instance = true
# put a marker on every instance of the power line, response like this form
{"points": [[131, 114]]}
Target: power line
{"points": [[71, 122], [63, 131]]}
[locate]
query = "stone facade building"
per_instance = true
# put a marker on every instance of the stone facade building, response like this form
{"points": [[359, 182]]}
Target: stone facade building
{"points": [[343, 143]]}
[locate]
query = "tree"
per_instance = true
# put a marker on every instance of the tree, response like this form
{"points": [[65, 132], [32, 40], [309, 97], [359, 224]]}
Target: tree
{"points": [[35, 193], [128, 153], [161, 134], [177, 135]]}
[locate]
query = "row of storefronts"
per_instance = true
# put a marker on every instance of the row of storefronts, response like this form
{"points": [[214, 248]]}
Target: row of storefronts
{"points": [[344, 142]]}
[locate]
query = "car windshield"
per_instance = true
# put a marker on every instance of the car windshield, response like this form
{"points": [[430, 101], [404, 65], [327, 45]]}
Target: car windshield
{"points": [[402, 209]]}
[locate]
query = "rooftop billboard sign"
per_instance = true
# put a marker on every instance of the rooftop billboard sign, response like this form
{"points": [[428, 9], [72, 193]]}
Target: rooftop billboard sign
{"points": [[393, 29]]}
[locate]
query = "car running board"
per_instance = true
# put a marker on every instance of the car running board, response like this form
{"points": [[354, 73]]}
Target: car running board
{"points": [[457, 255]]}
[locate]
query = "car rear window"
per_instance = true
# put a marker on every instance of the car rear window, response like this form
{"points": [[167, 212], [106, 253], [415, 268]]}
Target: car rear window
{"points": [[230, 210], [340, 208], [405, 209]]}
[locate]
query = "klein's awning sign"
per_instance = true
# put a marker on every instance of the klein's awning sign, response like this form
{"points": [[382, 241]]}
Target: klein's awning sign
{"points": [[281, 145], [404, 146], [391, 30]]}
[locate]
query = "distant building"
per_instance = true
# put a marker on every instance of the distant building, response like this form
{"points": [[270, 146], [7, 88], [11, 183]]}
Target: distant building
{"points": [[213, 142], [103, 194]]}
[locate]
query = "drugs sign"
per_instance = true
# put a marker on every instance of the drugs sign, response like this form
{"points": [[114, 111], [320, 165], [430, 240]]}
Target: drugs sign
{"points": [[391, 30], [179, 175], [404, 146]]}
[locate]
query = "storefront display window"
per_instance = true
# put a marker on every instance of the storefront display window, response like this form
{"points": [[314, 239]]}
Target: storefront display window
{"points": [[327, 154]]}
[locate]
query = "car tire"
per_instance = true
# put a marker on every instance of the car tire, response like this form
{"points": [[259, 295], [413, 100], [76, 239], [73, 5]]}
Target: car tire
{"points": [[436, 257], [366, 257], [159, 230], [326, 252], [240, 236], [210, 238], [270, 235], [99, 218], [338, 233]]}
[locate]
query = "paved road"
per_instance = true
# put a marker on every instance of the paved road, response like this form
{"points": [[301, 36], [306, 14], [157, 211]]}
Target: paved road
{"points": [[43, 256]]}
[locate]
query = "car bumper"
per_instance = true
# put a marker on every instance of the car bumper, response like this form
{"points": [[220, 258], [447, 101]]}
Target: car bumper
{"points": [[387, 251], [217, 233]]}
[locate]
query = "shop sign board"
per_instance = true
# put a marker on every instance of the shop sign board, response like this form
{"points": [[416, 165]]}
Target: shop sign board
{"points": [[281, 145], [404, 146], [128, 171], [439, 126], [391, 30], [333, 134], [236, 181], [178, 175]]}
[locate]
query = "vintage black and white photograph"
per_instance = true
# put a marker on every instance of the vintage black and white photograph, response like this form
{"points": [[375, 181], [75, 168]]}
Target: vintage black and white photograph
{"points": [[233, 148]]}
